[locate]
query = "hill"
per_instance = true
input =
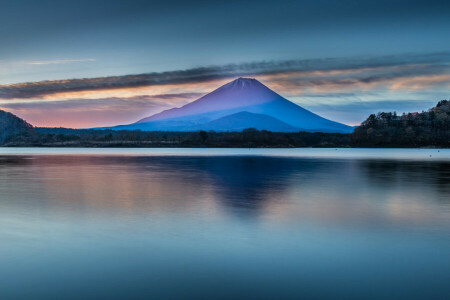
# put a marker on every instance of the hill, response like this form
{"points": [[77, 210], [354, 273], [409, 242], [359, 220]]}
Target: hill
{"points": [[13, 128], [425, 129]]}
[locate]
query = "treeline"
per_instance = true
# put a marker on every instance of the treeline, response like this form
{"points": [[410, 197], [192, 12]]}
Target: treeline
{"points": [[13, 128], [426, 129], [62, 137]]}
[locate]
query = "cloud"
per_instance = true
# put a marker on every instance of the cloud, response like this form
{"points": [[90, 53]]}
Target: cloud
{"points": [[402, 77], [331, 73], [84, 113], [59, 61], [130, 103], [354, 112], [401, 106]]}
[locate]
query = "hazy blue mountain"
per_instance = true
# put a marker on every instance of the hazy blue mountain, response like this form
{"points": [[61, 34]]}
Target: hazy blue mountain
{"points": [[242, 120], [240, 95]]}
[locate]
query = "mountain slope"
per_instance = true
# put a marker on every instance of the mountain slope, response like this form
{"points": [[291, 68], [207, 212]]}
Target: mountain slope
{"points": [[242, 120], [240, 95]]}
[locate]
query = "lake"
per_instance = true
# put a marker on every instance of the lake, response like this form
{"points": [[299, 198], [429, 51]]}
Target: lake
{"points": [[224, 223]]}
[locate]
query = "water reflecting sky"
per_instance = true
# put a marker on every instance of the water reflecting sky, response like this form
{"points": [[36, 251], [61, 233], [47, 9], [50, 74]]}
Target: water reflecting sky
{"points": [[223, 226]]}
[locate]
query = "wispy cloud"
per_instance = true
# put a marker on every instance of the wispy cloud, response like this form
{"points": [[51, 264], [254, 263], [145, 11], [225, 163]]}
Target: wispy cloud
{"points": [[103, 103], [353, 112], [94, 112], [58, 61]]}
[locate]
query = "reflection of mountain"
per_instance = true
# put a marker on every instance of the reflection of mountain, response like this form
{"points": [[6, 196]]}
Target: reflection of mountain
{"points": [[244, 103], [163, 183], [242, 182], [333, 190]]}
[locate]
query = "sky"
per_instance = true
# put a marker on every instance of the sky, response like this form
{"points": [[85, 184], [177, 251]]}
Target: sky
{"points": [[94, 63]]}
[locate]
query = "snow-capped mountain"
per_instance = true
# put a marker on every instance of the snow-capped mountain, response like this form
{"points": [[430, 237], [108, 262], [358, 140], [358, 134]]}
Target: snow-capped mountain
{"points": [[221, 110]]}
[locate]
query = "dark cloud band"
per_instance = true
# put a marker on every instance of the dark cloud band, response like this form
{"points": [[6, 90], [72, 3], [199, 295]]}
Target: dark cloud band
{"points": [[414, 65]]}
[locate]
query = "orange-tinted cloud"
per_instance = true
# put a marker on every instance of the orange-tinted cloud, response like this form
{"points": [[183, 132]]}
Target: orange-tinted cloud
{"points": [[86, 113]]}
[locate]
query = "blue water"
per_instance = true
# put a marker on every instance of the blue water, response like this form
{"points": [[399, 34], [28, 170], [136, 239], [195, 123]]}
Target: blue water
{"points": [[224, 223]]}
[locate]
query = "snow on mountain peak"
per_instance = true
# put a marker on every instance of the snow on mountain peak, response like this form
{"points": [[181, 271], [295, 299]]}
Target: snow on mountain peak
{"points": [[243, 82]]}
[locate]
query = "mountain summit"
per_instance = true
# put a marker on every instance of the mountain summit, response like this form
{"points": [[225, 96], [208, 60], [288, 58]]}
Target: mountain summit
{"points": [[265, 110], [241, 92]]}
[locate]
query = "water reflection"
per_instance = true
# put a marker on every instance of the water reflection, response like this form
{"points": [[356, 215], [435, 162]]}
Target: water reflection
{"points": [[416, 174], [327, 190], [89, 226]]}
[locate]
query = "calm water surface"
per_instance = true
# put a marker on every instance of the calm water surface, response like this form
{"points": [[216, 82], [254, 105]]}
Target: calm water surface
{"points": [[224, 223]]}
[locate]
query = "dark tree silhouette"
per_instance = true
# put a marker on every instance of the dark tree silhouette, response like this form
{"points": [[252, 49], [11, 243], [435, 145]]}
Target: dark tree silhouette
{"points": [[430, 128]]}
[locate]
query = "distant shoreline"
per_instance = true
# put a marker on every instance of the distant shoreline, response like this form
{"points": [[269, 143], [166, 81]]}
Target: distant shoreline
{"points": [[403, 154], [429, 129], [149, 145]]}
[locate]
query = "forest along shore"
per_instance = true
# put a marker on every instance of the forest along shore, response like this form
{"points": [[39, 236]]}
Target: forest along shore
{"points": [[425, 129]]}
